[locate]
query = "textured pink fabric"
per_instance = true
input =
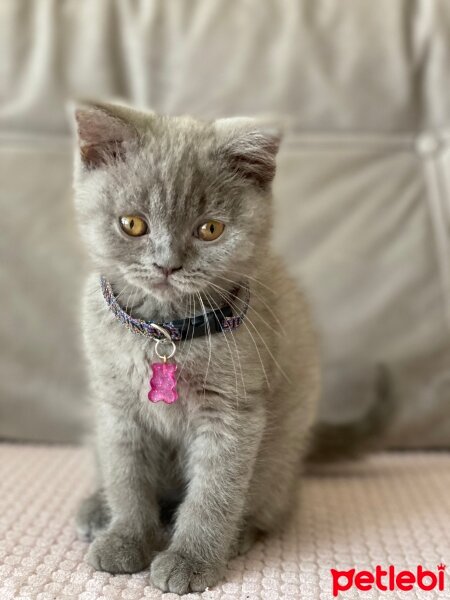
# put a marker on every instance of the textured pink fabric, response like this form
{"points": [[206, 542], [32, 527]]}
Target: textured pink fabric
{"points": [[387, 509]]}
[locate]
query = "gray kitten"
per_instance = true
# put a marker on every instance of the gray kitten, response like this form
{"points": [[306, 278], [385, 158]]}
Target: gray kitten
{"points": [[176, 213]]}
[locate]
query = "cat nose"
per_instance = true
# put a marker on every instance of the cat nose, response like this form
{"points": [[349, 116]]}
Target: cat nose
{"points": [[167, 270]]}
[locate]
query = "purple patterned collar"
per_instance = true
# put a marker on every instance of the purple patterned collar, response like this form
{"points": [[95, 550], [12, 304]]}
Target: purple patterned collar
{"points": [[219, 320]]}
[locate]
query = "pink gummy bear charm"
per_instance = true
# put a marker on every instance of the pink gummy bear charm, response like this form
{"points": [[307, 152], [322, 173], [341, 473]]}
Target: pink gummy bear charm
{"points": [[163, 383]]}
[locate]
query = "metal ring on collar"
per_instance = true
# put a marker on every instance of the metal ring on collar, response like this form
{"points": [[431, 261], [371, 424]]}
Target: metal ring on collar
{"points": [[165, 356]]}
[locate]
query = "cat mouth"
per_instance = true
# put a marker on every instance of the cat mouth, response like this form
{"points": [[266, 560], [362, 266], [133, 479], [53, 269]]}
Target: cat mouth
{"points": [[162, 284], [149, 284], [164, 287]]}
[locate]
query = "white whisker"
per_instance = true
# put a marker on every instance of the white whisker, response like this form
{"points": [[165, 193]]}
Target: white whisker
{"points": [[259, 282], [218, 288], [232, 357], [258, 314], [247, 319], [210, 344], [190, 343], [259, 297]]}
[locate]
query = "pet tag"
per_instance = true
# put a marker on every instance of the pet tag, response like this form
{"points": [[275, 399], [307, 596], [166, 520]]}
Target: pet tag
{"points": [[163, 385]]}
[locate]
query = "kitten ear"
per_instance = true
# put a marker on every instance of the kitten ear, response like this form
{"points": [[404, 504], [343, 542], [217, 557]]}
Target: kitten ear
{"points": [[250, 147], [101, 130]]}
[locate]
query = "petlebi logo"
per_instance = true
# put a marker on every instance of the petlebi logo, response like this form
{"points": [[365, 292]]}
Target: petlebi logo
{"points": [[389, 579]]}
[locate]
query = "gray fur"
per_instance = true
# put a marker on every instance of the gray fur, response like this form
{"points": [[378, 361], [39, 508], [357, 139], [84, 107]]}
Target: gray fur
{"points": [[93, 516], [230, 449]]}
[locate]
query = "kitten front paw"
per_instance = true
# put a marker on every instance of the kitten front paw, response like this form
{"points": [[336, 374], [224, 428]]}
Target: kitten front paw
{"points": [[118, 551], [172, 572]]}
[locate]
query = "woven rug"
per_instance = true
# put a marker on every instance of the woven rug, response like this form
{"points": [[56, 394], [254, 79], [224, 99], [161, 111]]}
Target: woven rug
{"points": [[388, 509]]}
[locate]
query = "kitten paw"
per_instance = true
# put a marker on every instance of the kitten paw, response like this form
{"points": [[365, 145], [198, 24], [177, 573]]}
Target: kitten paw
{"points": [[93, 516], [117, 551], [172, 572]]}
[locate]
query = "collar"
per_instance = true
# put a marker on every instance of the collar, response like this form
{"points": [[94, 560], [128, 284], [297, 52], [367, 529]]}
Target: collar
{"points": [[218, 320]]}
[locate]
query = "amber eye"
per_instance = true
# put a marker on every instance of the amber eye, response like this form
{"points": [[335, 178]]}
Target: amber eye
{"points": [[210, 230], [133, 225]]}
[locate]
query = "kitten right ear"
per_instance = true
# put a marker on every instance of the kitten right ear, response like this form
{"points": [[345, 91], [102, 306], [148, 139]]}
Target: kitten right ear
{"points": [[250, 146], [101, 134]]}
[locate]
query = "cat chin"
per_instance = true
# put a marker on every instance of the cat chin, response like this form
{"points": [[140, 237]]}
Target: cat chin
{"points": [[165, 291], [162, 291]]}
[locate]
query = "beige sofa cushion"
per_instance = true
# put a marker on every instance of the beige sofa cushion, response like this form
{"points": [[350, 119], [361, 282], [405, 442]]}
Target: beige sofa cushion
{"points": [[357, 65], [42, 391], [356, 225], [362, 223]]}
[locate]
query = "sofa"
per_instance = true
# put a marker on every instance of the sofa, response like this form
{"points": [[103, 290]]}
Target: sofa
{"points": [[362, 211]]}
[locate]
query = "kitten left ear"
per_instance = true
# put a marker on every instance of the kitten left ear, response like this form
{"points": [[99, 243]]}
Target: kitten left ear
{"points": [[250, 148], [102, 130]]}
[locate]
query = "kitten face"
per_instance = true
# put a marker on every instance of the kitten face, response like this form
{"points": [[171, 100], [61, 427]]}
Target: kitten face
{"points": [[173, 179]]}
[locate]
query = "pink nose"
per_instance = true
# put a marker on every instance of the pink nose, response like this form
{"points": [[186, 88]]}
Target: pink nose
{"points": [[167, 270]]}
